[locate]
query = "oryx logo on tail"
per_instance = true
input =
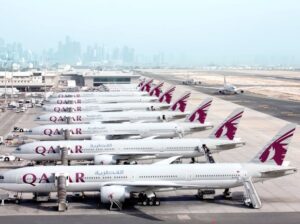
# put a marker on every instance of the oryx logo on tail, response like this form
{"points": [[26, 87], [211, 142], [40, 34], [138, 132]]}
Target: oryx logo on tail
{"points": [[228, 128], [200, 113], [180, 104], [146, 86], [167, 95], [141, 83], [156, 90], [277, 150]]}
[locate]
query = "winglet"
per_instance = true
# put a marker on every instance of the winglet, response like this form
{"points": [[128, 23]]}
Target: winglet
{"points": [[167, 95], [275, 150], [181, 103], [166, 161], [156, 89], [200, 113], [227, 129]]}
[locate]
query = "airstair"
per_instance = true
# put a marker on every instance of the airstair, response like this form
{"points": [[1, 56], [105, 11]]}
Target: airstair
{"points": [[251, 197]]}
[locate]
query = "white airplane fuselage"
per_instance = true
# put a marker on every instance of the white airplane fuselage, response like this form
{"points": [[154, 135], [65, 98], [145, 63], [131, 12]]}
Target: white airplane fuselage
{"points": [[99, 99], [96, 94], [58, 108], [138, 177], [121, 116], [123, 149], [230, 89], [120, 130]]}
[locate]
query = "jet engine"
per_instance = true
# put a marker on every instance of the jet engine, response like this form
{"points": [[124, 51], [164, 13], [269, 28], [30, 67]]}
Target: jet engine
{"points": [[104, 160], [113, 194], [180, 132], [152, 108], [163, 117]]}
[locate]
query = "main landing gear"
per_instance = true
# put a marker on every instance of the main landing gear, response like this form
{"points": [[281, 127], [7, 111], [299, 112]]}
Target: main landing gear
{"points": [[227, 193], [146, 200]]}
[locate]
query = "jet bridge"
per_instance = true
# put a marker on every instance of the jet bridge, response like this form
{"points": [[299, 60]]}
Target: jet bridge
{"points": [[61, 183], [64, 150], [67, 119], [251, 197]]}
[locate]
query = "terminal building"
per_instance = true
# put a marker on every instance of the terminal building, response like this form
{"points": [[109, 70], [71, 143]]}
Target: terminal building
{"points": [[39, 80], [29, 80], [94, 79]]}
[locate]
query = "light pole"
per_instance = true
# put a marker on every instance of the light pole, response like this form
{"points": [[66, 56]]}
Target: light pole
{"points": [[5, 81], [12, 76]]}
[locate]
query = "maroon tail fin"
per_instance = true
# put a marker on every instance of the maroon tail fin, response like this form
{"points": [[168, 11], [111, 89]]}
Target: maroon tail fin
{"points": [[275, 151], [227, 129], [200, 113], [167, 95], [141, 83], [181, 103], [156, 90], [146, 85]]}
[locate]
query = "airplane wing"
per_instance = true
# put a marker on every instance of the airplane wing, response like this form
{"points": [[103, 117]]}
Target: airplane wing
{"points": [[121, 136], [110, 110], [152, 137], [158, 185], [115, 121], [130, 154], [210, 87], [167, 161], [150, 184]]}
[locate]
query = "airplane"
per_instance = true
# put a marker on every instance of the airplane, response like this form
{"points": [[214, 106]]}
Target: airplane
{"points": [[106, 152], [229, 89], [164, 97], [116, 117], [99, 99], [96, 94], [97, 130], [118, 183]]}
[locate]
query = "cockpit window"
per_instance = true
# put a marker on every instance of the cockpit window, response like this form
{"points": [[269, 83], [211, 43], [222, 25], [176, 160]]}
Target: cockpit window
{"points": [[18, 149], [1, 177]]}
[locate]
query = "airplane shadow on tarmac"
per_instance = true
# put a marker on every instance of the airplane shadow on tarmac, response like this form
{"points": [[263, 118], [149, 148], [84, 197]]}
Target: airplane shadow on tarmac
{"points": [[130, 207]]}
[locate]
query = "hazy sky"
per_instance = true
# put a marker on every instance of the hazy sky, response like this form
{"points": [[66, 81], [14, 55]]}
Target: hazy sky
{"points": [[210, 29]]}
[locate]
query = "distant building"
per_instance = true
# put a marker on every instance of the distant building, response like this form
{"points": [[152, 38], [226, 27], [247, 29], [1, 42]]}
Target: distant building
{"points": [[29, 80], [39, 80], [94, 79]]}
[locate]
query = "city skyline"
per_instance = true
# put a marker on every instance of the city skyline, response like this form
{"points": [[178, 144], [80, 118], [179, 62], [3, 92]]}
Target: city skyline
{"points": [[183, 33]]}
